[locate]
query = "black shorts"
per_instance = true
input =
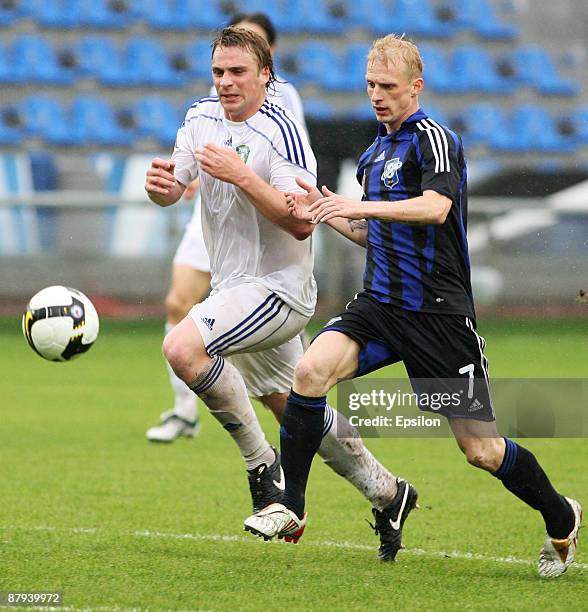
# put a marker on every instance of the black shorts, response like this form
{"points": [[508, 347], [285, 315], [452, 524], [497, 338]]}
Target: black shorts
{"points": [[438, 350]]}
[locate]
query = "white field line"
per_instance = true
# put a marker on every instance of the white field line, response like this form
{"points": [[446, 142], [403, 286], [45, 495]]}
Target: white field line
{"points": [[456, 554]]}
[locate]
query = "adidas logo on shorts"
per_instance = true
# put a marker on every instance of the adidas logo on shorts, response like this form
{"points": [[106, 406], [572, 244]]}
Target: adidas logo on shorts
{"points": [[475, 405], [208, 322]]}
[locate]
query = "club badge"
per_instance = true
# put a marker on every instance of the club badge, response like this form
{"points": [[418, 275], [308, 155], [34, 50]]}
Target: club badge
{"points": [[390, 174]]}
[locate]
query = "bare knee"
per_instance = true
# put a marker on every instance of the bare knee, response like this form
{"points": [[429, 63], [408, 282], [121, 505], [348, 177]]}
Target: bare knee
{"points": [[186, 358], [486, 453], [312, 378]]}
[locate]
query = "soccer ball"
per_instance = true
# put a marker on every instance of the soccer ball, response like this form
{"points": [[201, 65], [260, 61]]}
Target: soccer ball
{"points": [[60, 323]]}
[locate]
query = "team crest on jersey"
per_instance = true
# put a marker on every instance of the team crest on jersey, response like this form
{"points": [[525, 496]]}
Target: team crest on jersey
{"points": [[243, 152], [390, 174]]}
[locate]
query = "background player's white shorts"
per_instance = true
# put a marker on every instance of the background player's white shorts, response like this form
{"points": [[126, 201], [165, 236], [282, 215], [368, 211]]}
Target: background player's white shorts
{"points": [[257, 328], [191, 251], [269, 371]]}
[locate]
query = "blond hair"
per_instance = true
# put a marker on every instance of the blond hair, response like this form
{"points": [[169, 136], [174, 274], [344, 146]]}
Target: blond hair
{"points": [[393, 47]]}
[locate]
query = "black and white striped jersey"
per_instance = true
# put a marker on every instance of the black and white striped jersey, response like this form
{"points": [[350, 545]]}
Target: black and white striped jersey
{"points": [[422, 268]]}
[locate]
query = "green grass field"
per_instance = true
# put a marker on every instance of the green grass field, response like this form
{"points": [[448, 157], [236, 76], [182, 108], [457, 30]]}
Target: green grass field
{"points": [[90, 508]]}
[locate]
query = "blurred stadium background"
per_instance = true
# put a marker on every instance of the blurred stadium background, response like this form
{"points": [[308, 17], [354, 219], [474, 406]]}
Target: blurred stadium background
{"points": [[93, 89]]}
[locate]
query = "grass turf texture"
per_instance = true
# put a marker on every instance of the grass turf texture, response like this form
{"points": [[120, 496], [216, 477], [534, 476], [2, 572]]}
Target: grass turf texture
{"points": [[81, 487]]}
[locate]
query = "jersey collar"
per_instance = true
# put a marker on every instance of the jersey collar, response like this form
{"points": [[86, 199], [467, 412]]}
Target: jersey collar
{"points": [[403, 132]]}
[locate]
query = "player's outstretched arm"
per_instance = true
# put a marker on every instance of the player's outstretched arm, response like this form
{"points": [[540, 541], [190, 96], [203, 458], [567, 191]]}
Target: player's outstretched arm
{"points": [[161, 185], [225, 165], [429, 209], [300, 206]]}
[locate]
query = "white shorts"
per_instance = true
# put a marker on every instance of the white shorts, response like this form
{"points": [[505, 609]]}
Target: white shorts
{"points": [[191, 251], [258, 330]]}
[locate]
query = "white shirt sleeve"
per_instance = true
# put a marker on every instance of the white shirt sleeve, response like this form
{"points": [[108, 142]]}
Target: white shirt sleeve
{"points": [[283, 170], [186, 167]]}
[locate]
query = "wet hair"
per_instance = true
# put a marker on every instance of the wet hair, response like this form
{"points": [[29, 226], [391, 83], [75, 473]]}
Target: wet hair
{"points": [[259, 19], [249, 41], [393, 47]]}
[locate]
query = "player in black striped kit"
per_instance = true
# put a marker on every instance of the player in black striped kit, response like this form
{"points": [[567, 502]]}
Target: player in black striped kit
{"points": [[416, 307]]}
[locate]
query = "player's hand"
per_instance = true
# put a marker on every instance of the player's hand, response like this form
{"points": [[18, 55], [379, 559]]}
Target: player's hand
{"points": [[192, 189], [221, 163], [298, 203], [334, 205], [160, 177]]}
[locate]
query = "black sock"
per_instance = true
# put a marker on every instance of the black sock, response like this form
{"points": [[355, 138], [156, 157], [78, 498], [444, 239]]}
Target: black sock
{"points": [[301, 433], [522, 475]]}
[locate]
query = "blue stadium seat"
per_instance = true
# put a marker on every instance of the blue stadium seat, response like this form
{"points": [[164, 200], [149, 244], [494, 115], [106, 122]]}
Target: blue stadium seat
{"points": [[209, 18], [55, 13], [536, 68], [35, 60], [99, 58], [315, 108], [147, 63], [320, 17], [531, 128], [349, 75], [539, 130], [285, 14], [7, 72], [198, 55], [436, 70], [418, 17], [479, 16], [103, 14], [474, 70], [98, 122], [481, 122], [156, 118], [165, 14], [375, 15], [319, 63], [44, 118]]}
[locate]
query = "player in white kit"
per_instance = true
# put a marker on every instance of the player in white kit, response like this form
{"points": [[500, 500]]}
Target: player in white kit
{"points": [[243, 339], [191, 265]]}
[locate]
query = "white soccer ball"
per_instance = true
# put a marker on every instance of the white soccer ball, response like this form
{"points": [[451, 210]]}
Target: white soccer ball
{"points": [[60, 323]]}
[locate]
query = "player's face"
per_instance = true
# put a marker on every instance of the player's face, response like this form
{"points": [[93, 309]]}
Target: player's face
{"points": [[393, 95], [239, 82]]}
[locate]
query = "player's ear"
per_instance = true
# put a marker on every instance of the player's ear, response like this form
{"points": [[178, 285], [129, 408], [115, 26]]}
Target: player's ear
{"points": [[266, 74], [417, 86]]}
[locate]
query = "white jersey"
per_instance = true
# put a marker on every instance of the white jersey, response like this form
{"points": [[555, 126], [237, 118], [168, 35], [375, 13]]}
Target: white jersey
{"points": [[242, 244]]}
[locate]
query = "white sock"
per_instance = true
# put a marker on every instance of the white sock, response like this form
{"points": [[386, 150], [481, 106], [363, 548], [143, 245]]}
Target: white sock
{"points": [[184, 400], [222, 389], [343, 450]]}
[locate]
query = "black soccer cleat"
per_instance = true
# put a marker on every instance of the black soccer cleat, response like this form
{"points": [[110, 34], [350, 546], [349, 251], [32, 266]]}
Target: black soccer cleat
{"points": [[266, 484], [390, 520]]}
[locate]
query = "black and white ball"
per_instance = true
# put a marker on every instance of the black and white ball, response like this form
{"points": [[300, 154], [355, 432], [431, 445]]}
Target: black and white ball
{"points": [[60, 323]]}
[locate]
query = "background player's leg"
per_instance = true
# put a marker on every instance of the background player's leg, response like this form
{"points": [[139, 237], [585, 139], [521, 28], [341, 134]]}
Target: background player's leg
{"points": [[343, 450], [188, 287]]}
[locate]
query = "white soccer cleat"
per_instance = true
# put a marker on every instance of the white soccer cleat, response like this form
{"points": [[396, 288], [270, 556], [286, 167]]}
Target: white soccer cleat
{"points": [[276, 520], [557, 555], [172, 427]]}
